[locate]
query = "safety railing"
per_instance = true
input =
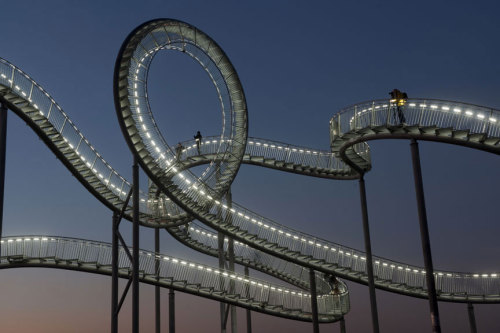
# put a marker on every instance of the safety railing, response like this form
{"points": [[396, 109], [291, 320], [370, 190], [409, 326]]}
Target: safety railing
{"points": [[387, 272], [46, 109], [267, 149], [22, 249], [259, 258], [417, 112]]}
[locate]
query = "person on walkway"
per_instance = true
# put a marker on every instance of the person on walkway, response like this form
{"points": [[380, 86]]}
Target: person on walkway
{"points": [[399, 98], [178, 151], [198, 138], [333, 282]]}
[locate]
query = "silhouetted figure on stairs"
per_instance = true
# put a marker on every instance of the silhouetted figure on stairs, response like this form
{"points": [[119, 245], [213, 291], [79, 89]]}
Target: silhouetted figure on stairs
{"points": [[198, 138]]}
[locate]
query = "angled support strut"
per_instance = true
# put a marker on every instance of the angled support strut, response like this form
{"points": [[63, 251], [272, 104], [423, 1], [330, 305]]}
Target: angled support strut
{"points": [[424, 235], [369, 259], [116, 239]]}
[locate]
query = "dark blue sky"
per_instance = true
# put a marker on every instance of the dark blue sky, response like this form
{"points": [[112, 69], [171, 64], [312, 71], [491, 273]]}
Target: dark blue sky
{"points": [[299, 64]]}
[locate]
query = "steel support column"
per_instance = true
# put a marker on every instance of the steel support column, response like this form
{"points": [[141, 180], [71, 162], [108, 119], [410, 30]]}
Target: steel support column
{"points": [[342, 325], [114, 274], [135, 249], [220, 240], [3, 150], [472, 318], [314, 300], [249, 313], [424, 235], [369, 259], [157, 288], [171, 311], [230, 252], [220, 252], [230, 257]]}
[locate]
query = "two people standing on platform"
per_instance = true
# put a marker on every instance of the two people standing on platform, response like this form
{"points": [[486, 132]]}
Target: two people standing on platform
{"points": [[179, 147], [398, 99]]}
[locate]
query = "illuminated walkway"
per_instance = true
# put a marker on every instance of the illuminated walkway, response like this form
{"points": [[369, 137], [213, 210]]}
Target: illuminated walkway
{"points": [[182, 196], [182, 275]]}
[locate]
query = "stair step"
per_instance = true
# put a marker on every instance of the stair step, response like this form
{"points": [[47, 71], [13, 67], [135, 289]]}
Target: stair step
{"points": [[477, 137], [460, 134], [492, 141], [445, 131], [428, 130]]}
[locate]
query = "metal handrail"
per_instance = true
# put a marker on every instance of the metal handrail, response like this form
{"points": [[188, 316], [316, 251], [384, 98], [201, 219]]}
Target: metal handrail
{"points": [[17, 250]]}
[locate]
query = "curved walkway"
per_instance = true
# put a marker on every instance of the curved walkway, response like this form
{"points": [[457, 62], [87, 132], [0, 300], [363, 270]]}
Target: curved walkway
{"points": [[182, 275], [452, 122]]}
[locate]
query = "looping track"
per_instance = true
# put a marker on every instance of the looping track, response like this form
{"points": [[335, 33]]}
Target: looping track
{"points": [[262, 244]]}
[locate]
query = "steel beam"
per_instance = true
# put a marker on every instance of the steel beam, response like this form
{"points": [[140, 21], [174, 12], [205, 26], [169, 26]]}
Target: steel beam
{"points": [[314, 300], [369, 259], [424, 235], [3, 150], [135, 248]]}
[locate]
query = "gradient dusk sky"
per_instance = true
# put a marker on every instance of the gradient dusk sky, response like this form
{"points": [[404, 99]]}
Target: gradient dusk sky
{"points": [[299, 63]]}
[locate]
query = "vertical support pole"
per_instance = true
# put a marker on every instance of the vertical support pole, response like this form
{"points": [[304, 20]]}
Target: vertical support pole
{"points": [[220, 239], [157, 288], [220, 248], [3, 150], [424, 235], [472, 318], [114, 275], [249, 313], [230, 251], [342, 325], [135, 249], [314, 300], [368, 250], [171, 311], [230, 255]]}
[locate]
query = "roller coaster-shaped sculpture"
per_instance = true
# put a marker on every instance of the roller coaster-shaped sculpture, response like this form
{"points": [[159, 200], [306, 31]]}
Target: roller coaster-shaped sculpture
{"points": [[176, 196]]}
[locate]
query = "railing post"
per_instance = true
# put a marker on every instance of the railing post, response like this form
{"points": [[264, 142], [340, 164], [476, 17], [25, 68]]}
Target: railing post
{"points": [[388, 114], [3, 150], [369, 259], [372, 122], [424, 235], [249, 313], [114, 275], [314, 300], [355, 117], [338, 121], [472, 318], [135, 249], [421, 115], [157, 288]]}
